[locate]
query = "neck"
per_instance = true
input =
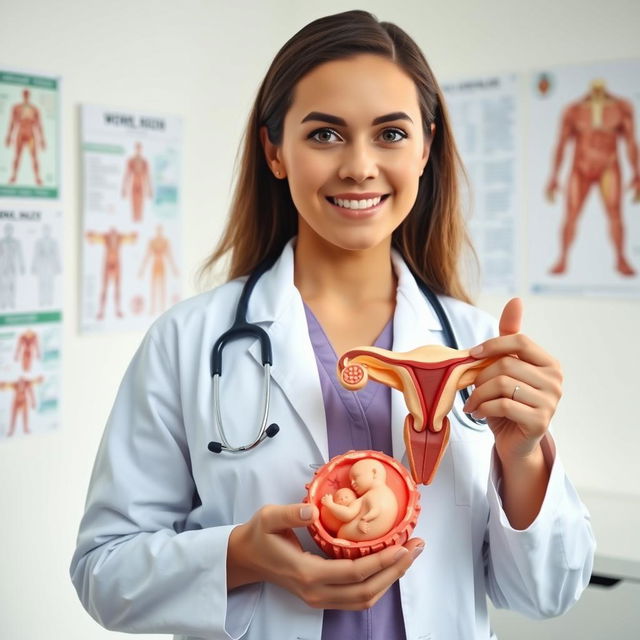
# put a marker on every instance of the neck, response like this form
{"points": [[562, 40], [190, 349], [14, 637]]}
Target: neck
{"points": [[347, 277]]}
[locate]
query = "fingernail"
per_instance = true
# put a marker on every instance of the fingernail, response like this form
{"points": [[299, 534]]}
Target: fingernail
{"points": [[417, 551], [401, 554], [476, 351], [306, 512]]}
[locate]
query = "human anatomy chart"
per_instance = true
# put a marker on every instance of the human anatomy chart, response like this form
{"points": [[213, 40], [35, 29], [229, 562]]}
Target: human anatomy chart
{"points": [[132, 222], [29, 135], [584, 180], [30, 319]]}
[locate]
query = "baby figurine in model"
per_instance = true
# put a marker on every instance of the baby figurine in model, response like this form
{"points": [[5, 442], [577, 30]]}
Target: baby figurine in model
{"points": [[373, 513], [344, 497]]}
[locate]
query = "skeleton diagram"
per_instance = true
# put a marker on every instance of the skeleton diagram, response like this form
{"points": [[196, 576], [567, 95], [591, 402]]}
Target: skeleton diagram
{"points": [[11, 263], [45, 265]]}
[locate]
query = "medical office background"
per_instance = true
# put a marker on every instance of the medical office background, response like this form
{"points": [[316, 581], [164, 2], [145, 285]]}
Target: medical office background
{"points": [[202, 60]]}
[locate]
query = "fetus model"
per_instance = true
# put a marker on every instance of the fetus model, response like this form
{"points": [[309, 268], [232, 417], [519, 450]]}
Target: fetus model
{"points": [[342, 497], [428, 377], [374, 511], [367, 502]]}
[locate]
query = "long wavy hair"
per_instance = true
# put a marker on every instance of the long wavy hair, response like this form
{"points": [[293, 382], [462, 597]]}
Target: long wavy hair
{"points": [[263, 217]]}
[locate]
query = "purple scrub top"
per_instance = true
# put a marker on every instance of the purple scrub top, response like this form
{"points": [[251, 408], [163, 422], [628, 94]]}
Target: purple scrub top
{"points": [[357, 420]]}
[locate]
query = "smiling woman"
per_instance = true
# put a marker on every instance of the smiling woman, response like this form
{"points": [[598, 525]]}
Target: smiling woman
{"points": [[371, 142], [264, 216], [348, 190]]}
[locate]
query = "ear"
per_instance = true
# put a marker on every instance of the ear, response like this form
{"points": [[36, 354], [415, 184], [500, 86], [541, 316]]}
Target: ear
{"points": [[427, 147], [272, 154]]}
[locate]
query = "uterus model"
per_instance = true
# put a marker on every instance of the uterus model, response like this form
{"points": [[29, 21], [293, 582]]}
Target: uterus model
{"points": [[429, 378]]}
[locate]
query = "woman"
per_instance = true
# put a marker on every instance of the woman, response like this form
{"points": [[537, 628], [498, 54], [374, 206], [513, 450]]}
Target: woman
{"points": [[349, 182]]}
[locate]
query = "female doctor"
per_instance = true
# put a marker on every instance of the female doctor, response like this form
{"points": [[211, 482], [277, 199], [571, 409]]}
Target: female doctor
{"points": [[349, 182]]}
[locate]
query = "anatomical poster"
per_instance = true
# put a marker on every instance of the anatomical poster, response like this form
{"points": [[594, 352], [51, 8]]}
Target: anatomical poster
{"points": [[30, 135], [584, 180], [486, 119], [132, 260], [31, 300]]}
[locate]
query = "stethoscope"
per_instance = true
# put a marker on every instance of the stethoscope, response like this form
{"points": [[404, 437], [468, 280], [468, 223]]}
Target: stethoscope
{"points": [[243, 329]]}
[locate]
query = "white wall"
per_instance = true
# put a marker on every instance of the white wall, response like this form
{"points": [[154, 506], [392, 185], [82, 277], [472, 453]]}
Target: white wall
{"points": [[203, 60]]}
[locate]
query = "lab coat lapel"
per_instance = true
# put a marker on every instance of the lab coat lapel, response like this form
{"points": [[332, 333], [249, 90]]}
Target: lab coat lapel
{"points": [[414, 324], [276, 305]]}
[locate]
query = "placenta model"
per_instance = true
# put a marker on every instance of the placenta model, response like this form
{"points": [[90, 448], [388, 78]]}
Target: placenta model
{"points": [[428, 377], [373, 512]]}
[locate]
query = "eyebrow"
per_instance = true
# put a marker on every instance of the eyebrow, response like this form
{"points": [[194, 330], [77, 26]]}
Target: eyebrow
{"points": [[327, 117]]}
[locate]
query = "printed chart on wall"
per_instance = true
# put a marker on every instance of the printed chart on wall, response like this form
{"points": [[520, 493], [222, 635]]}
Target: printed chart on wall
{"points": [[132, 220], [584, 177], [486, 118], [29, 124], [30, 319]]}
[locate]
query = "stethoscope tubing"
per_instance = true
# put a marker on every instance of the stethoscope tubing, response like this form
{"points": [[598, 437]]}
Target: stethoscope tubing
{"points": [[266, 399]]}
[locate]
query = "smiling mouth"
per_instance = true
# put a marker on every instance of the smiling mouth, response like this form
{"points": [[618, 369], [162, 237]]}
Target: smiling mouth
{"points": [[362, 203]]}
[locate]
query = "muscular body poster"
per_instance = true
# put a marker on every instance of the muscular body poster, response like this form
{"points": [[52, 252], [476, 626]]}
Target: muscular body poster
{"points": [[29, 130], [132, 222], [486, 118], [30, 319], [584, 180]]}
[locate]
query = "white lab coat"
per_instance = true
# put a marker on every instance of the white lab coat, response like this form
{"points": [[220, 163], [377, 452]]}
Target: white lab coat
{"points": [[151, 552]]}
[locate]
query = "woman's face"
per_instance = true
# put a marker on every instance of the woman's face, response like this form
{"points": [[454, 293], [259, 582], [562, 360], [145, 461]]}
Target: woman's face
{"points": [[353, 150]]}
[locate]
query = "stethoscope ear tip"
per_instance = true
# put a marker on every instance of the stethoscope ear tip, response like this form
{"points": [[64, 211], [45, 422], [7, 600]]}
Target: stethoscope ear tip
{"points": [[272, 429]]}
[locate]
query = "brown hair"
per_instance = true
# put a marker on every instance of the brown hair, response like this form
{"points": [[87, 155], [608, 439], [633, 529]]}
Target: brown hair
{"points": [[263, 217]]}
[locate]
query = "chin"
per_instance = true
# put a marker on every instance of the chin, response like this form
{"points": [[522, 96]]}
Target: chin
{"points": [[349, 238], [360, 241]]}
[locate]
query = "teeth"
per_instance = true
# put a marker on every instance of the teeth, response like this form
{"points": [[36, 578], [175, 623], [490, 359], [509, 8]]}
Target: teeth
{"points": [[357, 204]]}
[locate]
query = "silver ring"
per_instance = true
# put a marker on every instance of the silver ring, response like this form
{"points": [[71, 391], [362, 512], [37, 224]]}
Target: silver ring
{"points": [[515, 390]]}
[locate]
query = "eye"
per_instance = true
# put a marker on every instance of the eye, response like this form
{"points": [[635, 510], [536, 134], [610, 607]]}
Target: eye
{"points": [[324, 136], [392, 135]]}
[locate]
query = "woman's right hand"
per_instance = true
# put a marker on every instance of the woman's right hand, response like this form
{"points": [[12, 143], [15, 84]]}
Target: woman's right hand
{"points": [[265, 549]]}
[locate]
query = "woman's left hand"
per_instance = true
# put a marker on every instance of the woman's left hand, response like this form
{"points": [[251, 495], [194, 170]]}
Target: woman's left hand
{"points": [[519, 392]]}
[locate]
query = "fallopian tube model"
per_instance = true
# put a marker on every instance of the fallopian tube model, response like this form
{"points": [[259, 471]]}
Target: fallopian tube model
{"points": [[429, 378]]}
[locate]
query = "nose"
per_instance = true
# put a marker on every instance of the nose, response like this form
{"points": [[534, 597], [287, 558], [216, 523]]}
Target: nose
{"points": [[359, 162]]}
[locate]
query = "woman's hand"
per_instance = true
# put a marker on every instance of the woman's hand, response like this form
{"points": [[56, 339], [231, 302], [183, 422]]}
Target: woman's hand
{"points": [[265, 549], [518, 394]]}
